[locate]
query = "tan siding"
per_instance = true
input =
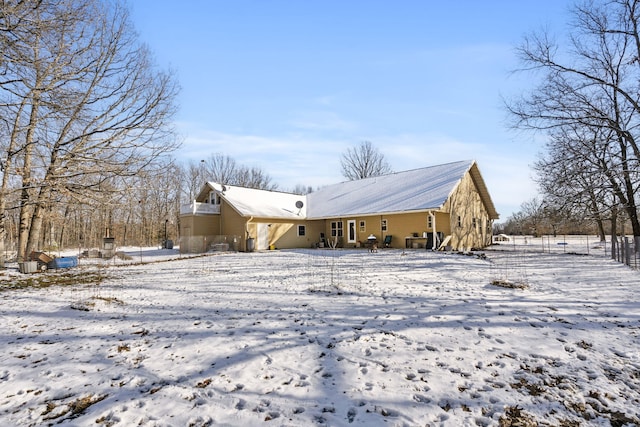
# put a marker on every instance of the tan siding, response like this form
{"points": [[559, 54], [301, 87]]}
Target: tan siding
{"points": [[205, 225], [233, 224], [406, 225], [195, 229], [399, 226], [283, 234]]}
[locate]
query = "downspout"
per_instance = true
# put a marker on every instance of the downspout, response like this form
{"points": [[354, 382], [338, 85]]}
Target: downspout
{"points": [[246, 227], [221, 223], [489, 239], [435, 232], [246, 232]]}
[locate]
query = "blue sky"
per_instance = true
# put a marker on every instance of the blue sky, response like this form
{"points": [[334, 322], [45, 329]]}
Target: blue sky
{"points": [[288, 86]]}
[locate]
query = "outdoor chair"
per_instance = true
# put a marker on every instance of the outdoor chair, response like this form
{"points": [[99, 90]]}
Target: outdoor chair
{"points": [[387, 241]]}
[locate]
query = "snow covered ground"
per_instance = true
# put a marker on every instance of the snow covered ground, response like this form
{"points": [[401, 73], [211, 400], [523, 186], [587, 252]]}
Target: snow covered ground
{"points": [[321, 337]]}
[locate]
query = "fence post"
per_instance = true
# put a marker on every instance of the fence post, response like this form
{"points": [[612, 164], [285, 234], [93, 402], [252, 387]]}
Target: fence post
{"points": [[627, 254], [587, 244]]}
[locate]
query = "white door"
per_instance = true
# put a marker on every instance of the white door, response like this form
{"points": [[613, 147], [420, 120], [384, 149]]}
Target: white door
{"points": [[262, 242], [351, 231]]}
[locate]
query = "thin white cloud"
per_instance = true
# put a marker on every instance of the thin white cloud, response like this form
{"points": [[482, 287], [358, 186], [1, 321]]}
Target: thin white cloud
{"points": [[322, 121], [315, 161]]}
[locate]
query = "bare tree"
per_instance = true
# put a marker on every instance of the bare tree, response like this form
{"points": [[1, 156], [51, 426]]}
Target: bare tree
{"points": [[225, 170], [254, 177], [221, 169], [570, 174], [85, 105], [192, 175], [302, 189], [592, 86], [363, 161]]}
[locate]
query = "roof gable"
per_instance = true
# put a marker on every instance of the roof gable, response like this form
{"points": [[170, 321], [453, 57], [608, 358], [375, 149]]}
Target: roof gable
{"points": [[262, 203]]}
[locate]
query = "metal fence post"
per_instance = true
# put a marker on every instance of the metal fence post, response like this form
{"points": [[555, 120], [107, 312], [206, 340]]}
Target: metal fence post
{"points": [[627, 254]]}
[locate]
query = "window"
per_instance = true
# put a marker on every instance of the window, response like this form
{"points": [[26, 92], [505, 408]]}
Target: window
{"points": [[383, 224], [429, 221], [214, 198], [473, 223], [336, 229], [459, 221], [302, 230], [362, 226]]}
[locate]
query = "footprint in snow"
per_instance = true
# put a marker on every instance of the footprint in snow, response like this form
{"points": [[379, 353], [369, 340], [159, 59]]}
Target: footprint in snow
{"points": [[272, 415], [421, 398], [241, 404], [351, 415]]}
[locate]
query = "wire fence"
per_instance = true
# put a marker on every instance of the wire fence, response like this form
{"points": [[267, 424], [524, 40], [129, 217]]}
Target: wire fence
{"points": [[202, 244], [627, 251], [624, 249]]}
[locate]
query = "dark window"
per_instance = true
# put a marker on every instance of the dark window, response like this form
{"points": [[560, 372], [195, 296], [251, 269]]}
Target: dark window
{"points": [[336, 229]]}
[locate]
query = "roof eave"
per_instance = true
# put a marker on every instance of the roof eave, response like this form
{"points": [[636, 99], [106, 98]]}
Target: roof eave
{"points": [[385, 213]]}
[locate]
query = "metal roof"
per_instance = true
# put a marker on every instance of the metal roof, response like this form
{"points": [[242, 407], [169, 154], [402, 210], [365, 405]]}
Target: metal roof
{"points": [[400, 192], [262, 203]]}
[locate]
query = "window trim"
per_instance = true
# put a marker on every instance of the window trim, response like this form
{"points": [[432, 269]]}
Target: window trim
{"points": [[351, 238], [336, 229], [302, 227]]}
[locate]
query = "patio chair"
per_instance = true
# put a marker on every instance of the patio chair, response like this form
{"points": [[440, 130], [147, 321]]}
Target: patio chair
{"points": [[387, 241]]}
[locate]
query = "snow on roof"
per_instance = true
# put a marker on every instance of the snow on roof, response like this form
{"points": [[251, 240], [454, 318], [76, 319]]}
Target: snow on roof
{"points": [[417, 189], [262, 203], [413, 190]]}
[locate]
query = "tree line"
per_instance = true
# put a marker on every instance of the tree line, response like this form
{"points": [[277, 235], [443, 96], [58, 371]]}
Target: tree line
{"points": [[87, 142], [587, 106], [84, 114]]}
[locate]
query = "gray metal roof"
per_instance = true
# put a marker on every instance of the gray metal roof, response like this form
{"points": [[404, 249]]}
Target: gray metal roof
{"points": [[262, 203], [413, 190]]}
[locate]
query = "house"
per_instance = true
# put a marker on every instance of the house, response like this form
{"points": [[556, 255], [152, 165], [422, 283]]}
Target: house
{"points": [[434, 207]]}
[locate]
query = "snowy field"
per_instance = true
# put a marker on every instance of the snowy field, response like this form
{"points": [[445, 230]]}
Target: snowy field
{"points": [[325, 338]]}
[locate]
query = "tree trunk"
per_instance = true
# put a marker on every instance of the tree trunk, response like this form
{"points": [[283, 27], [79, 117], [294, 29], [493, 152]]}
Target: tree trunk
{"points": [[25, 210], [614, 237], [62, 227], [35, 229], [601, 231]]}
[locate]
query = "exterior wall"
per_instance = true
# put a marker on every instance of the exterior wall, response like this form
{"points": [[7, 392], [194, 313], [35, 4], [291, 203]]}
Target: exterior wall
{"points": [[399, 226], [232, 224], [194, 229], [469, 218], [283, 234]]}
